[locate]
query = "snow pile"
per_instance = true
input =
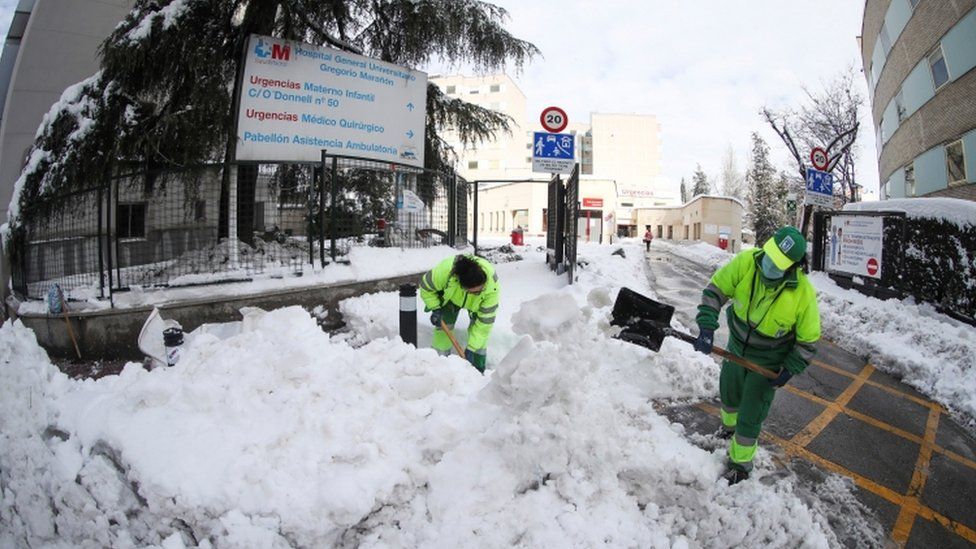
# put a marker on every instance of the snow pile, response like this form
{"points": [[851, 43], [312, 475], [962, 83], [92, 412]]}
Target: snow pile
{"points": [[279, 435], [928, 350], [954, 210], [700, 253]]}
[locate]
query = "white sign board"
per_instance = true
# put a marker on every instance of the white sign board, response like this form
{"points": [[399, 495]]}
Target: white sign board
{"points": [[297, 99], [553, 152], [710, 228], [855, 244], [409, 202]]}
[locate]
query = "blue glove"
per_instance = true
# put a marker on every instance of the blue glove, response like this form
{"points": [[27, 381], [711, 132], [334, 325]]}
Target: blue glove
{"points": [[782, 378], [435, 318], [704, 342]]}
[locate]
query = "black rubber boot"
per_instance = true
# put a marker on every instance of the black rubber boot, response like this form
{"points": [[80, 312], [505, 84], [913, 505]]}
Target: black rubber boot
{"points": [[735, 476]]}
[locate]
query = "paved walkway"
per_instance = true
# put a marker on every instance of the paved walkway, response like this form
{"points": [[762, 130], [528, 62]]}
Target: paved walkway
{"points": [[913, 465]]}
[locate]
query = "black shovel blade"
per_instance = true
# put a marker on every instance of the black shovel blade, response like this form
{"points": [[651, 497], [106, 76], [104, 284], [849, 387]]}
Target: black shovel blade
{"points": [[645, 322]]}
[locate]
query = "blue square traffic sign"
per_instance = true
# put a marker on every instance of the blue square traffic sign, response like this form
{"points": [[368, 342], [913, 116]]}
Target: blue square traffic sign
{"points": [[553, 145], [820, 188]]}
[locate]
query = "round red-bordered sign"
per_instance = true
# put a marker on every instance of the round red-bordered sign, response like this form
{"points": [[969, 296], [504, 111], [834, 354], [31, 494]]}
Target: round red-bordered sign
{"points": [[553, 119], [819, 158], [872, 266]]}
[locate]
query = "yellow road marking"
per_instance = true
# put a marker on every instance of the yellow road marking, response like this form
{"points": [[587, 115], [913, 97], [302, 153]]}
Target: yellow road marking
{"points": [[794, 450], [885, 426], [908, 511], [821, 422], [883, 387]]}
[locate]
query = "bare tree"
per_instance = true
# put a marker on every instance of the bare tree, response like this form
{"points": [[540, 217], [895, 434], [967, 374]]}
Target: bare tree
{"points": [[733, 181], [828, 120]]}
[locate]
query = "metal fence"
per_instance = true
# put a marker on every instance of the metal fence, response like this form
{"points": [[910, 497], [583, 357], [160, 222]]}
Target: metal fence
{"points": [[193, 226]]}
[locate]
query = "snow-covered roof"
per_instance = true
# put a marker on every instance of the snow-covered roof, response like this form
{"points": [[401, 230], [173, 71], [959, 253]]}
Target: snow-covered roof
{"points": [[953, 210]]}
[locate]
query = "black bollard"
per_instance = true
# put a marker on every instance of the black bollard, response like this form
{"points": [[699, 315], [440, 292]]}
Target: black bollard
{"points": [[408, 313], [173, 341]]}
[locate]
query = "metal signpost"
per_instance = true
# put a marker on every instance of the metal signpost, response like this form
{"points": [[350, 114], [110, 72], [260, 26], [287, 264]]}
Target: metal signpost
{"points": [[298, 98]]}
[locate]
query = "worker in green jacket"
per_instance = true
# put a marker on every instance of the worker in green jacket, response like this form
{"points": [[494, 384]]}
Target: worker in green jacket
{"points": [[773, 322], [462, 282]]}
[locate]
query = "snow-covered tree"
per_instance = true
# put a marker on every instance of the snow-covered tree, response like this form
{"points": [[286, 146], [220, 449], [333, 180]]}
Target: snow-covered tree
{"points": [[733, 181], [767, 192], [163, 97], [684, 191], [699, 182]]}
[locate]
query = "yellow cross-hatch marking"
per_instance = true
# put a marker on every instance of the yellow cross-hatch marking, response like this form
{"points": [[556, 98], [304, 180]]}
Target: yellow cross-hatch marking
{"points": [[910, 505]]}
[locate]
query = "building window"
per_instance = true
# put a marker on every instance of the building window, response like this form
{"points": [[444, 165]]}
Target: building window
{"points": [[626, 204], [940, 72], [18, 25], [909, 180], [200, 210], [885, 39], [451, 89], [496, 88], [130, 221], [472, 164], [528, 145], [545, 219], [528, 159], [474, 91], [900, 105], [956, 162]]}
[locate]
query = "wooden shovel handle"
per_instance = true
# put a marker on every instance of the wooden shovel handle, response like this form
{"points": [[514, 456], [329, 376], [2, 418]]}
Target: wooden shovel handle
{"points": [[769, 374], [71, 332], [450, 335]]}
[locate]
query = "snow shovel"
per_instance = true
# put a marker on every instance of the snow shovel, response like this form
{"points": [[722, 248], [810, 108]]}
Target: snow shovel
{"points": [[450, 335], [646, 322]]}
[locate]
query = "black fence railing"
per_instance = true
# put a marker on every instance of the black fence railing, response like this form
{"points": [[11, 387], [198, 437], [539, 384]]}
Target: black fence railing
{"points": [[929, 259], [171, 228]]}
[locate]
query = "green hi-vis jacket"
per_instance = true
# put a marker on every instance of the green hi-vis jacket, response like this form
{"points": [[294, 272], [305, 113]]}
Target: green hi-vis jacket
{"points": [[439, 287], [772, 325]]}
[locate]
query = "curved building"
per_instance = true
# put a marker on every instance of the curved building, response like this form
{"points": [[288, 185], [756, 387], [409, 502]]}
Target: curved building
{"points": [[919, 57]]}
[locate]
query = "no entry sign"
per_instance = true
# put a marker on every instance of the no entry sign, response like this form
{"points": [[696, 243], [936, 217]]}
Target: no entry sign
{"points": [[553, 119]]}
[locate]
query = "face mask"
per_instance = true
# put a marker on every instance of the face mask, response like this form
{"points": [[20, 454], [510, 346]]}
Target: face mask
{"points": [[770, 270]]}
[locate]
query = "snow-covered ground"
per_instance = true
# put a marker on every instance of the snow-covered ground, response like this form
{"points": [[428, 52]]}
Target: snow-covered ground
{"points": [[275, 434]]}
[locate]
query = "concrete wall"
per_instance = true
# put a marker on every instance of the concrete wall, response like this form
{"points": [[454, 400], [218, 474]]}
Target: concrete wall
{"points": [[113, 334]]}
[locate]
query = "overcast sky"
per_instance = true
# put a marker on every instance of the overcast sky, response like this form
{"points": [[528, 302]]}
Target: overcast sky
{"points": [[704, 68]]}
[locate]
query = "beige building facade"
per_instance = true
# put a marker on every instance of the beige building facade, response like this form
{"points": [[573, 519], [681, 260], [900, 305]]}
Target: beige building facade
{"points": [[716, 220]]}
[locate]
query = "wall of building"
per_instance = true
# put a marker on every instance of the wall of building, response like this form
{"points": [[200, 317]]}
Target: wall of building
{"points": [[59, 48], [509, 155], [703, 219], [919, 58], [627, 149]]}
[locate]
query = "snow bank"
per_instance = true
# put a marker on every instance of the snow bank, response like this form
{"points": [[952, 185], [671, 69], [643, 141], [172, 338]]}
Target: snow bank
{"points": [[954, 210], [700, 253], [280, 435], [928, 350]]}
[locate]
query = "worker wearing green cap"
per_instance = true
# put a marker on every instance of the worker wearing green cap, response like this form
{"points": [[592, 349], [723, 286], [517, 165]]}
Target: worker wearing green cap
{"points": [[773, 322]]}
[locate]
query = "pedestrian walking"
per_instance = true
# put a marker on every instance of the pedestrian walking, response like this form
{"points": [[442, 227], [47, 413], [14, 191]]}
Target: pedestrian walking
{"points": [[462, 282], [648, 237], [773, 322]]}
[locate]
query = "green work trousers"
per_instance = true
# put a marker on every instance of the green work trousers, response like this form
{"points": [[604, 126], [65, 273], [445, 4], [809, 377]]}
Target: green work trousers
{"points": [[746, 398]]}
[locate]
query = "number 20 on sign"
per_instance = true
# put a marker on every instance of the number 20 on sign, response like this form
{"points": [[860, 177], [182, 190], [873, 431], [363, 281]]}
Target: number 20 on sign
{"points": [[553, 119]]}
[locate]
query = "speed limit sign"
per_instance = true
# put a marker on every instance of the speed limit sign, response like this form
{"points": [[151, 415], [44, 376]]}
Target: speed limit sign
{"points": [[553, 119], [819, 158]]}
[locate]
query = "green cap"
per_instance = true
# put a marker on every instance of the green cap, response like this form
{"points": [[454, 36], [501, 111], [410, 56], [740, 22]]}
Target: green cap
{"points": [[786, 247]]}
